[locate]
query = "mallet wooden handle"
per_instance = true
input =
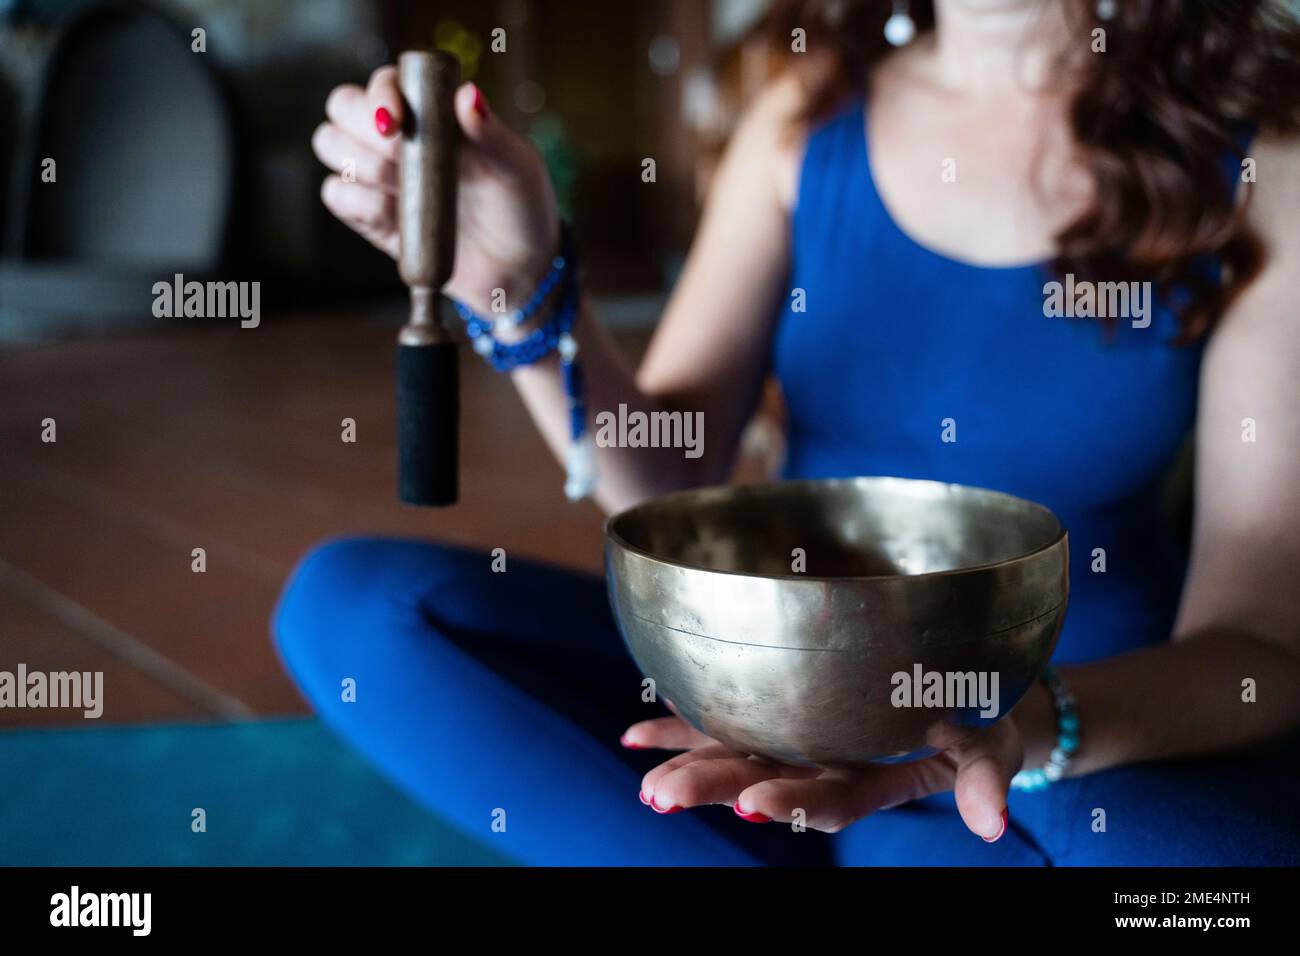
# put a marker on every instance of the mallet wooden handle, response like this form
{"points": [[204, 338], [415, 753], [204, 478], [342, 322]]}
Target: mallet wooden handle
{"points": [[428, 387]]}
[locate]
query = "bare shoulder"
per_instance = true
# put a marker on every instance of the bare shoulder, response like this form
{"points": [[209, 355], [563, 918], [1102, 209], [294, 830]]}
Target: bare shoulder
{"points": [[1274, 210], [1263, 319], [772, 131], [778, 121]]}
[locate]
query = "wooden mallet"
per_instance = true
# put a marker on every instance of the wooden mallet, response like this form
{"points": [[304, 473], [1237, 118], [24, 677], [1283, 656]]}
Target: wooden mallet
{"points": [[428, 386]]}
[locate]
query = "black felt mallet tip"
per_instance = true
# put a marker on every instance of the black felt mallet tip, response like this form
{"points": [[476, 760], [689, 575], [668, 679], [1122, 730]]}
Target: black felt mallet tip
{"points": [[428, 413]]}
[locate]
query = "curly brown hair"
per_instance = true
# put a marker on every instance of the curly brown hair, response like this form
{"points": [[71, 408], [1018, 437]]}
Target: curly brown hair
{"points": [[1180, 86]]}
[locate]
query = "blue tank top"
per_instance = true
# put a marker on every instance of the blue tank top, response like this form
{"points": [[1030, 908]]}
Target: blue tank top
{"points": [[897, 343]]}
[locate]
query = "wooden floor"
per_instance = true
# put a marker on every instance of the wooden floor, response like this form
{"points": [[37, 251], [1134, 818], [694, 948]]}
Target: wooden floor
{"points": [[228, 440]]}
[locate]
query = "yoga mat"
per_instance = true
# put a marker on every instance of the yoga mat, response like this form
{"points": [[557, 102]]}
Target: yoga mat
{"points": [[277, 793]]}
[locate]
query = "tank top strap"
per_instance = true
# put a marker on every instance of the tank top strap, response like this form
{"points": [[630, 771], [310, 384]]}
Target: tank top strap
{"points": [[835, 189]]}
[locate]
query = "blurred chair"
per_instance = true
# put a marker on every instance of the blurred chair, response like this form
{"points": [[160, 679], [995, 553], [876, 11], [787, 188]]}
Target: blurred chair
{"points": [[144, 144]]}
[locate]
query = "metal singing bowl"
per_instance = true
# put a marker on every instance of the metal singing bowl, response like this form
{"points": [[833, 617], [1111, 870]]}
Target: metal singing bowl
{"points": [[798, 664]]}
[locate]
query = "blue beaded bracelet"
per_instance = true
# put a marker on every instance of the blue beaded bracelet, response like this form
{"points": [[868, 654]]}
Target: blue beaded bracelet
{"points": [[552, 336], [560, 268], [1068, 727]]}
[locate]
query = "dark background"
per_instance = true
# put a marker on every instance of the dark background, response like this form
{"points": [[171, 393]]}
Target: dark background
{"points": [[597, 85]]}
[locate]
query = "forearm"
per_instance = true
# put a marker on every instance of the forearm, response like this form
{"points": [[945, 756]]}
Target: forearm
{"points": [[626, 475], [1181, 699]]}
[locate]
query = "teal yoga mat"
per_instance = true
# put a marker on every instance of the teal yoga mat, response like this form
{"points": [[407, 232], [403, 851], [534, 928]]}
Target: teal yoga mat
{"points": [[277, 793]]}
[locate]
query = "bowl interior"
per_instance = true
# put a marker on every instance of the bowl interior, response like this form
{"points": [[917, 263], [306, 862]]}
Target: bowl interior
{"points": [[846, 528]]}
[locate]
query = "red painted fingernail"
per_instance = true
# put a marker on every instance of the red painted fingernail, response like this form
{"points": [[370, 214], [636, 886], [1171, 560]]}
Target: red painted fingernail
{"points": [[641, 794], [1000, 832], [629, 744], [655, 807], [480, 104], [754, 817], [383, 121]]}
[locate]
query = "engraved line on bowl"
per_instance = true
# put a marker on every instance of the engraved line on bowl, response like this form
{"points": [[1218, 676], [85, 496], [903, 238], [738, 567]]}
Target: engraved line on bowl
{"points": [[834, 650]]}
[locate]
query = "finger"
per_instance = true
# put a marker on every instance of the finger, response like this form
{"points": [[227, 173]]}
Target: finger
{"points": [[487, 137], [475, 116], [358, 204], [985, 765], [664, 733], [385, 240], [343, 154], [834, 800], [713, 751], [828, 804], [366, 209], [719, 780], [349, 110], [384, 102]]}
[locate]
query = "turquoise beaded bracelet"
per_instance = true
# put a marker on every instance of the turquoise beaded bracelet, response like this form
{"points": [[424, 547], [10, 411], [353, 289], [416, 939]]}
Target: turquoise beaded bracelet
{"points": [[1067, 738]]}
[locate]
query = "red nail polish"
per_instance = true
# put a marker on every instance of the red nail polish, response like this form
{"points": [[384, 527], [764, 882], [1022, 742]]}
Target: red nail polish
{"points": [[1000, 832], [383, 121], [655, 807], [754, 817], [629, 744], [641, 794], [480, 104]]}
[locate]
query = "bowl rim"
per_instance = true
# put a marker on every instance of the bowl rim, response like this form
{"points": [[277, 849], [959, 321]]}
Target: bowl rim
{"points": [[613, 537]]}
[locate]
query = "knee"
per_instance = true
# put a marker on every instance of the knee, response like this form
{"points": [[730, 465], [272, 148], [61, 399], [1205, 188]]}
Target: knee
{"points": [[327, 580], [362, 590]]}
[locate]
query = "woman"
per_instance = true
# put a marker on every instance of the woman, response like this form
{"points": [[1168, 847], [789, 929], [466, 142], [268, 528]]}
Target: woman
{"points": [[915, 202]]}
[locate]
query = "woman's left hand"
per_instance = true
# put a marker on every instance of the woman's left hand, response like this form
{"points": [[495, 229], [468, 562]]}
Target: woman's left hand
{"points": [[977, 765]]}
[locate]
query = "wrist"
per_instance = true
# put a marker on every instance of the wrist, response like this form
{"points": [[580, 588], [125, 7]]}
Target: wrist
{"points": [[515, 286], [1068, 727], [1036, 720]]}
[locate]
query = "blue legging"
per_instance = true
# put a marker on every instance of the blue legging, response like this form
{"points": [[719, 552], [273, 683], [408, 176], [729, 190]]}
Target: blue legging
{"points": [[499, 698]]}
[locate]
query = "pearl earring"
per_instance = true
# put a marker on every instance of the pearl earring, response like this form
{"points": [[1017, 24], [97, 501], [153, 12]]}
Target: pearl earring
{"points": [[899, 28]]}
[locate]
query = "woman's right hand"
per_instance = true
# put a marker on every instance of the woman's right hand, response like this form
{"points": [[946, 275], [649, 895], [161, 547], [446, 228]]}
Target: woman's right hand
{"points": [[507, 228]]}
